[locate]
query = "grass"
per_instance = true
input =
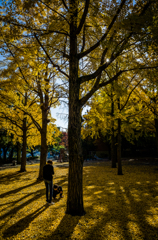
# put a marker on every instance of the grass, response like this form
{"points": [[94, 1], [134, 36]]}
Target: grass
{"points": [[117, 207]]}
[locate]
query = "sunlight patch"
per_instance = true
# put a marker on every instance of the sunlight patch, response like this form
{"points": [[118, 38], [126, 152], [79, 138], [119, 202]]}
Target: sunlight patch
{"points": [[98, 192], [135, 231]]}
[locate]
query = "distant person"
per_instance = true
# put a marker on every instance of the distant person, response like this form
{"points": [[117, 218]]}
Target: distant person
{"points": [[56, 190], [48, 172]]}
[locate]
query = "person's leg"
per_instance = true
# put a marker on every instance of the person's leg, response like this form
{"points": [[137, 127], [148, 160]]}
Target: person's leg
{"points": [[46, 191], [52, 188], [50, 192]]}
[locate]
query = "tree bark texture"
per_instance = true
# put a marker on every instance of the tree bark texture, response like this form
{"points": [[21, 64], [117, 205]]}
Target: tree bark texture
{"points": [[75, 190]]}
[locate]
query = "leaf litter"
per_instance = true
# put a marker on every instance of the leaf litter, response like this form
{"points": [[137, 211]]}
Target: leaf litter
{"points": [[117, 207]]}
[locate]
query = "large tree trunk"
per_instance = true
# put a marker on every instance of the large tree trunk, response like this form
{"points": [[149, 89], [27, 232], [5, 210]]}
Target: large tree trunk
{"points": [[23, 159], [75, 189]]}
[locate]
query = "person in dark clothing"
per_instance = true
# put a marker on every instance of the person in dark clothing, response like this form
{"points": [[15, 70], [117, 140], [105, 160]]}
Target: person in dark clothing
{"points": [[48, 172], [56, 190]]}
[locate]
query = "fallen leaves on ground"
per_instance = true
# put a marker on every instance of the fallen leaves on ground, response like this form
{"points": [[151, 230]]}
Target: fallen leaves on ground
{"points": [[117, 207]]}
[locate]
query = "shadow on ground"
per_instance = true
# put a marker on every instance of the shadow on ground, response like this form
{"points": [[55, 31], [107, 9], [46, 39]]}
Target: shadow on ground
{"points": [[65, 228]]}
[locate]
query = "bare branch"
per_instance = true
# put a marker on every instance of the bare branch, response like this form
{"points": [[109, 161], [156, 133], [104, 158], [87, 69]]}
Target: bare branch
{"points": [[96, 87], [10, 120], [64, 3], [32, 29], [15, 61], [54, 65], [54, 10], [83, 17], [93, 75], [83, 43], [83, 54], [130, 94]]}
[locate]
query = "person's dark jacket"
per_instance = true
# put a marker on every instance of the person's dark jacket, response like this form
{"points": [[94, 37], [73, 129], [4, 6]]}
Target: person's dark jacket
{"points": [[48, 172]]}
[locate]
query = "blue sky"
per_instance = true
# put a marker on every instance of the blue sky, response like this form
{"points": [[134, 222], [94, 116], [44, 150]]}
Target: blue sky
{"points": [[61, 115]]}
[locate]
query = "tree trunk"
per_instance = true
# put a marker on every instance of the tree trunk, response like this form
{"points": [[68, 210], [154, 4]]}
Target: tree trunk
{"points": [[75, 189], [156, 127], [113, 155], [32, 154], [113, 158], [44, 147], [18, 152], [11, 153], [23, 159], [119, 148], [4, 154]]}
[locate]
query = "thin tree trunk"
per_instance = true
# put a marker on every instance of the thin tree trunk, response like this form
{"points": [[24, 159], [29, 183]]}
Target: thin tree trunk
{"points": [[4, 154], [156, 127], [18, 152], [11, 153], [32, 154], [119, 148], [44, 148], [113, 159], [23, 159]]}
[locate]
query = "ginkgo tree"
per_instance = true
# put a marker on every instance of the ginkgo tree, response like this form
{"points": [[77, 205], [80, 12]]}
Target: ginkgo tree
{"points": [[79, 31], [148, 94], [29, 68], [16, 123], [116, 111]]}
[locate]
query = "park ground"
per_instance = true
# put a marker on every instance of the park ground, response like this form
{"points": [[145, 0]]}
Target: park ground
{"points": [[117, 207]]}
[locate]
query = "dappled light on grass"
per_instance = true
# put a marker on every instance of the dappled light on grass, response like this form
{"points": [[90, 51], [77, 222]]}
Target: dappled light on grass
{"points": [[117, 207]]}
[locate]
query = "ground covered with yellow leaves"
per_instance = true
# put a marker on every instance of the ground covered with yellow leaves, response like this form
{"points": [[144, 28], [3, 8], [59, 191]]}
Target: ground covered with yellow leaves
{"points": [[117, 207]]}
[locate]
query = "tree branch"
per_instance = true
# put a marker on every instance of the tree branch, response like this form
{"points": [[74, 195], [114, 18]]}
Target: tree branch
{"points": [[130, 94], [95, 74], [83, 54], [64, 3], [32, 29], [16, 61], [83, 17], [54, 10], [83, 43], [10, 120], [97, 86], [54, 65]]}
